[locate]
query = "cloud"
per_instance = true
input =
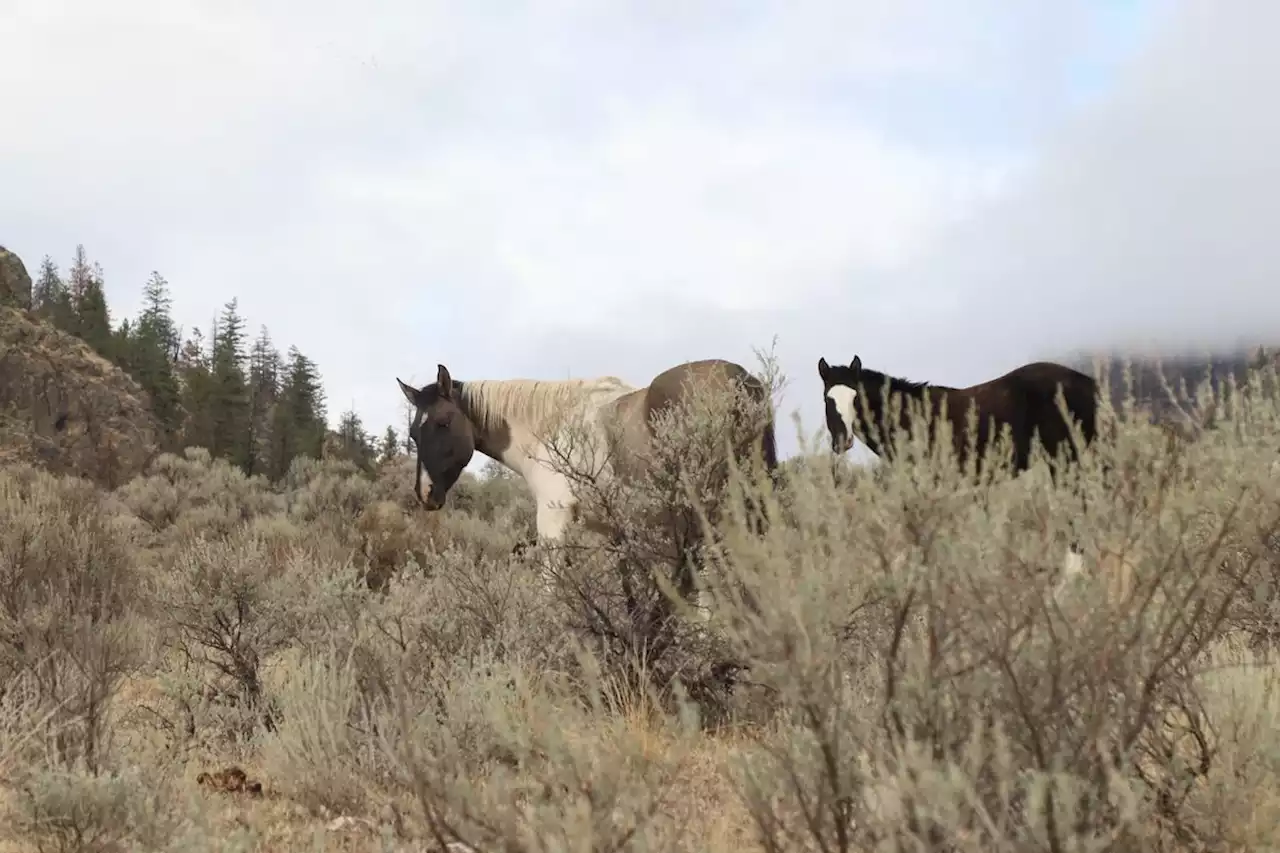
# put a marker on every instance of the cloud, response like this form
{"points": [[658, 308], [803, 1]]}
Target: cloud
{"points": [[575, 188], [1146, 221]]}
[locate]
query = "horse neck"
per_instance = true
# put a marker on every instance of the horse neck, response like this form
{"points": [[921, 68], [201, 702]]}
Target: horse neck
{"points": [[910, 392], [511, 416]]}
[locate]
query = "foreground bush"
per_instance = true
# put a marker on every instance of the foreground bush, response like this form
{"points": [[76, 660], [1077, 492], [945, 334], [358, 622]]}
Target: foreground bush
{"points": [[941, 684], [895, 660]]}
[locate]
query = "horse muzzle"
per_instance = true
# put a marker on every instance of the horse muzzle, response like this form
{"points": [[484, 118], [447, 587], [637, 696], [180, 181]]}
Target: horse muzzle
{"points": [[431, 501]]}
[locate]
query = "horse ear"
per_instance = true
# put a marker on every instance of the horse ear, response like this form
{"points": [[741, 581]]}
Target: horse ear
{"points": [[410, 393], [445, 381], [856, 364], [823, 368]]}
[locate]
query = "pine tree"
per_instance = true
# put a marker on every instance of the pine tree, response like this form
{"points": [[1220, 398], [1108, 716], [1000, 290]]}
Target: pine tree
{"points": [[78, 280], [157, 316], [123, 347], [355, 444], [49, 296], [196, 384], [265, 373], [151, 355], [93, 319], [299, 423], [390, 448], [230, 404]]}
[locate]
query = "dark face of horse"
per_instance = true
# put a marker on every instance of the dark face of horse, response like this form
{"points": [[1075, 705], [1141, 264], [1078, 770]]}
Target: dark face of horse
{"points": [[442, 433], [840, 390]]}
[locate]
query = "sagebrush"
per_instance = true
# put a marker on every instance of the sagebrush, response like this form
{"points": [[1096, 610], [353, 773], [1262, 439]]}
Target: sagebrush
{"points": [[895, 658]]}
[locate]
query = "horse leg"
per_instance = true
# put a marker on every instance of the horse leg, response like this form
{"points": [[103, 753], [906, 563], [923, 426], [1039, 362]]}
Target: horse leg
{"points": [[1073, 559], [553, 522]]}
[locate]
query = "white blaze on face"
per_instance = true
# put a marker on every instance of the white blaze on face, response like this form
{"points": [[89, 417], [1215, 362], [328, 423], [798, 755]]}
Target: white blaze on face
{"points": [[843, 397], [426, 477]]}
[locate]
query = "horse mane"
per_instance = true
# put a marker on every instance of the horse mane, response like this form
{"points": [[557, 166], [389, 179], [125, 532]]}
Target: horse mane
{"points": [[494, 403], [896, 383]]}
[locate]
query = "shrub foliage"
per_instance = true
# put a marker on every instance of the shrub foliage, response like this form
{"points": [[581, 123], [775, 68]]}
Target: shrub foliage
{"points": [[901, 658]]}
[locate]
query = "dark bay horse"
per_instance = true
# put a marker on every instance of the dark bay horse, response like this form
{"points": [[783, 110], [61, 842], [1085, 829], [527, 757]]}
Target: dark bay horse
{"points": [[859, 404], [1024, 400]]}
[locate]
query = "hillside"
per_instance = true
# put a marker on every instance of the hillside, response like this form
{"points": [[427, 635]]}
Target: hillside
{"points": [[86, 392], [1184, 373], [68, 409]]}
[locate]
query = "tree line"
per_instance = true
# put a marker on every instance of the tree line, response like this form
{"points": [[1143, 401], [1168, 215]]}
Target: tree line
{"points": [[242, 399]]}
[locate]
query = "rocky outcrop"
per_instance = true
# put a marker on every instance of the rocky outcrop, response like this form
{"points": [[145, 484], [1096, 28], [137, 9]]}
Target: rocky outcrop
{"points": [[64, 407], [15, 282]]}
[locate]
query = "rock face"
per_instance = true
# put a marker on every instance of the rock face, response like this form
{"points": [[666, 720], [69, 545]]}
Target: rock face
{"points": [[15, 282], [67, 409]]}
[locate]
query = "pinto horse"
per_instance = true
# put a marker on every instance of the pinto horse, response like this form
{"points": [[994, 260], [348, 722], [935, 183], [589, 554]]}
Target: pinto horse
{"points": [[518, 421]]}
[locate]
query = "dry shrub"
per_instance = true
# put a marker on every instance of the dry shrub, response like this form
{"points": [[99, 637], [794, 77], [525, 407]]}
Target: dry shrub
{"points": [[565, 773], [63, 810], [625, 580], [66, 633], [181, 497], [431, 631], [941, 686], [364, 520], [1236, 804], [922, 673], [323, 493], [226, 607]]}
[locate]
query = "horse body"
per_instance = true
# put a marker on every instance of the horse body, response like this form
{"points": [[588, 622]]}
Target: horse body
{"points": [[517, 422], [1024, 400]]}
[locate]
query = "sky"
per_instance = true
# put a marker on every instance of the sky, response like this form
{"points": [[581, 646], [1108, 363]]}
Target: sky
{"points": [[572, 188]]}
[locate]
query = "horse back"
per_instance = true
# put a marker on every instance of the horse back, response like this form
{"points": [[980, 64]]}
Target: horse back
{"points": [[634, 415], [676, 384]]}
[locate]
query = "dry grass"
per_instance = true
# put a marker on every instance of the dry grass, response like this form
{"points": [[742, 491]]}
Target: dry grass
{"points": [[894, 664]]}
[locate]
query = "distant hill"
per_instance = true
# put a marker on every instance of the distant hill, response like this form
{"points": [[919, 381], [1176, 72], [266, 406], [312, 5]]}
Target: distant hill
{"points": [[1183, 374]]}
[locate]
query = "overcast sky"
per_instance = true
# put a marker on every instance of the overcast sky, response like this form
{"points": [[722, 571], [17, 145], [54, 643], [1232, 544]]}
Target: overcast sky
{"points": [[574, 188]]}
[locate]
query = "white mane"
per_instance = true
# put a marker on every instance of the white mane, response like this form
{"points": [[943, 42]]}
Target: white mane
{"points": [[534, 403]]}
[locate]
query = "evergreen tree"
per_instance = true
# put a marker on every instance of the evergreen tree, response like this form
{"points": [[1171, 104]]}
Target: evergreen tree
{"points": [[152, 355], [354, 443], [298, 423], [265, 373], [93, 320], [230, 403], [196, 384], [157, 316], [242, 402], [49, 296], [390, 448], [79, 278], [123, 347]]}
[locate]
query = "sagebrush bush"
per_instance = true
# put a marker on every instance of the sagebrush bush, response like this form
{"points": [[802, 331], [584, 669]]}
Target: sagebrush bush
{"points": [[893, 657], [67, 579], [940, 682]]}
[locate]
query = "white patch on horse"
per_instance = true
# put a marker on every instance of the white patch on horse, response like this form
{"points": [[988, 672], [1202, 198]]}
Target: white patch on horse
{"points": [[536, 413], [426, 477], [843, 396]]}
